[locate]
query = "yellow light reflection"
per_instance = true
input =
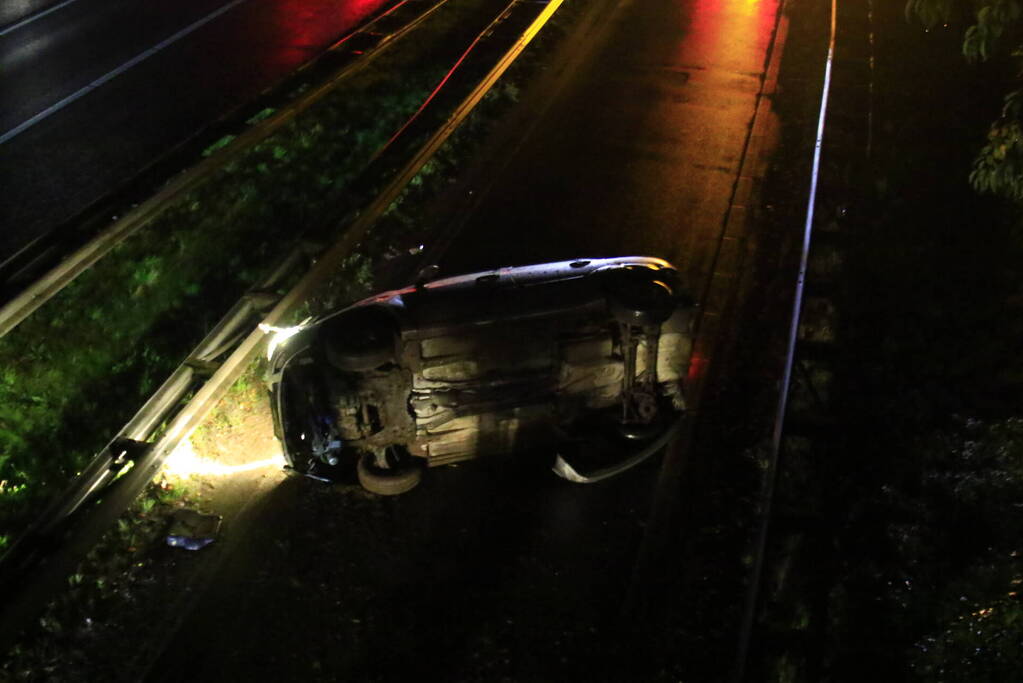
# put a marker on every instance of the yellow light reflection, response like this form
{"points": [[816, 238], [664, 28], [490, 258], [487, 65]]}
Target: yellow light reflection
{"points": [[184, 462], [280, 335], [730, 34]]}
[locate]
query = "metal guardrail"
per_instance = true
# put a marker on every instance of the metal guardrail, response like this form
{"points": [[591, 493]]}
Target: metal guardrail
{"points": [[30, 569], [770, 477], [130, 442], [55, 279], [34, 568]]}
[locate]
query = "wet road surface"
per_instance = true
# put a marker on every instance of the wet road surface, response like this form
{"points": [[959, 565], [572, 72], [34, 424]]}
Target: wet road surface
{"points": [[93, 91], [497, 570], [641, 150]]}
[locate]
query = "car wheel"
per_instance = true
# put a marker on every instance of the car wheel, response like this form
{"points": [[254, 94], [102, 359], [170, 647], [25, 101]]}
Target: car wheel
{"points": [[639, 298], [358, 341], [389, 481]]}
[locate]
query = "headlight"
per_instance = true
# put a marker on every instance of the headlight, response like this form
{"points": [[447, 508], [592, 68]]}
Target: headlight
{"points": [[280, 335]]}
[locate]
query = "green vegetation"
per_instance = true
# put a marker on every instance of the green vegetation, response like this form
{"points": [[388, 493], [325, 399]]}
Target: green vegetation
{"points": [[247, 391], [992, 30], [972, 486], [76, 629], [76, 370], [106, 600], [897, 551]]}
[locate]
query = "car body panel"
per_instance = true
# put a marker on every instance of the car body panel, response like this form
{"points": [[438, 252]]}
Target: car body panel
{"points": [[501, 361]]}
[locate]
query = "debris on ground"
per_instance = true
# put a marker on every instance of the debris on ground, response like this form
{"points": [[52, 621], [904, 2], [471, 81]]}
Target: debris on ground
{"points": [[193, 530]]}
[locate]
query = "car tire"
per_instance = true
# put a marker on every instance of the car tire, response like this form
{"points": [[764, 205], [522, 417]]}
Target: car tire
{"points": [[638, 297], [390, 481], [359, 341]]}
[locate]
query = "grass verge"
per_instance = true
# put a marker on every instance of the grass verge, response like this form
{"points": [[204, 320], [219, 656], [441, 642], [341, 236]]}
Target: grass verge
{"points": [[127, 575], [898, 555], [75, 371]]}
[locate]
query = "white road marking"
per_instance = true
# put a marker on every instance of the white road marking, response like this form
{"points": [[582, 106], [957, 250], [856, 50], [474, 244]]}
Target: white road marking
{"points": [[38, 15], [769, 481], [102, 80]]}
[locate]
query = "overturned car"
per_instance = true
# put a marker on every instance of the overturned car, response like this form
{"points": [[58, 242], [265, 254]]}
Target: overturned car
{"points": [[583, 358]]}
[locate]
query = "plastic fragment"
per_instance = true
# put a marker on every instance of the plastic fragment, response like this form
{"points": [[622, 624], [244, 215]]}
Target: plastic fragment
{"points": [[192, 530]]}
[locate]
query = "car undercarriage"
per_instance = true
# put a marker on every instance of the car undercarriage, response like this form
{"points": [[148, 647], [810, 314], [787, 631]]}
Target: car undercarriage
{"points": [[424, 378]]}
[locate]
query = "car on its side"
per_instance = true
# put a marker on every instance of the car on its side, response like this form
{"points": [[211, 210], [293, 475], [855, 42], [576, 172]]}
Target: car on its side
{"points": [[584, 358]]}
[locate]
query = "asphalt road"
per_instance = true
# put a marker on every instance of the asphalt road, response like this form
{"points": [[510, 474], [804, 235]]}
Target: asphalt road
{"points": [[640, 148], [497, 570], [95, 89]]}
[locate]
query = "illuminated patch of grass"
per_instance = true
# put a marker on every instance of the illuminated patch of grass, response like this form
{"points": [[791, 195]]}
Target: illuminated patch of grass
{"points": [[75, 371], [130, 577]]}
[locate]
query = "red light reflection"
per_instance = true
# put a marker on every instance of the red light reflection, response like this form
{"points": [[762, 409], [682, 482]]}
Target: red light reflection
{"points": [[730, 34], [697, 367], [301, 26]]}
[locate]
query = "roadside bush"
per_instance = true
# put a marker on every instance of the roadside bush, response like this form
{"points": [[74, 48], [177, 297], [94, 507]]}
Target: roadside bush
{"points": [[77, 369], [966, 555]]}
